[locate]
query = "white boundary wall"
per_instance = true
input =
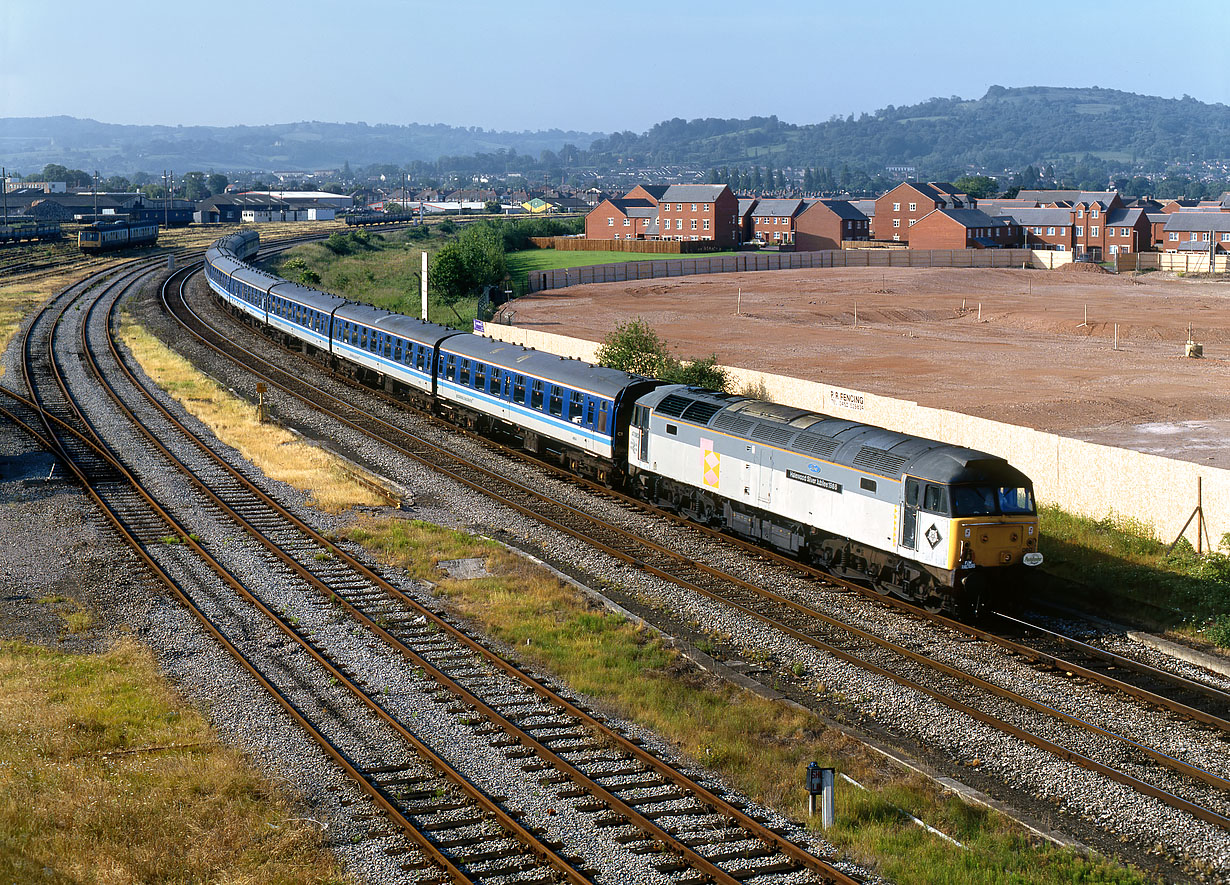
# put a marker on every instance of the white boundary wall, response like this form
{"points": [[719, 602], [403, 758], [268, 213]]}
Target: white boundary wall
{"points": [[1080, 477]]}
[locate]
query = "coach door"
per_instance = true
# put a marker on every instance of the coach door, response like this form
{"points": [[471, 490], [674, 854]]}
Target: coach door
{"points": [[909, 514]]}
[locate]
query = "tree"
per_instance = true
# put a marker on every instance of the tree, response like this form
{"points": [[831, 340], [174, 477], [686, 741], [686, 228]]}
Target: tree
{"points": [[194, 186], [116, 184], [635, 347], [980, 187], [493, 207], [153, 191], [704, 373], [216, 183], [447, 276]]}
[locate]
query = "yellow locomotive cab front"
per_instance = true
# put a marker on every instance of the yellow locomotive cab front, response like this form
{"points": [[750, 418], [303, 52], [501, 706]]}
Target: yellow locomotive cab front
{"points": [[988, 543]]}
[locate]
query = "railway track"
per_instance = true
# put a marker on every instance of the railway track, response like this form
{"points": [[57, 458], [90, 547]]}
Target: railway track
{"points": [[704, 834], [1178, 783]]}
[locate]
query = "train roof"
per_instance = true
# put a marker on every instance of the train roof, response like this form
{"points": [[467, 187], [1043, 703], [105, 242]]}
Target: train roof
{"points": [[262, 280], [853, 444], [304, 295], [408, 327], [576, 374]]}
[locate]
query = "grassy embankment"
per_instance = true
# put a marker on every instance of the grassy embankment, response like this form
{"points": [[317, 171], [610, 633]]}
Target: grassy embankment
{"points": [[1124, 568], [107, 776], [522, 262], [759, 746]]}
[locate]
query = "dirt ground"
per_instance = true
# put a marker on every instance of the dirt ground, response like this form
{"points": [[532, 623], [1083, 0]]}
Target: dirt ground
{"points": [[1011, 345]]}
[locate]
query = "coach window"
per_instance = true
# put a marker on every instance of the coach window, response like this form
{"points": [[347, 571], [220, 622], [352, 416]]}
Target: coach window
{"points": [[574, 407], [363, 338], [397, 350], [602, 417], [388, 346], [480, 377], [519, 389], [556, 402], [536, 395], [496, 382], [935, 500], [463, 376], [589, 412], [451, 371], [440, 365]]}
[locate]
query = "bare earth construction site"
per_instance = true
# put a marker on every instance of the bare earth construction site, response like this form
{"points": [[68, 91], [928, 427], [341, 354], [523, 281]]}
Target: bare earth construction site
{"points": [[1009, 345]]}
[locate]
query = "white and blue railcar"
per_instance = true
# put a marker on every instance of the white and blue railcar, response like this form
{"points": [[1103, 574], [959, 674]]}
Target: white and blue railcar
{"points": [[552, 405], [388, 347], [304, 316]]}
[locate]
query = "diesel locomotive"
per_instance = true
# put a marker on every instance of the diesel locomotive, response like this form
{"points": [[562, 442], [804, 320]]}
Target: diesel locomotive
{"points": [[948, 527]]}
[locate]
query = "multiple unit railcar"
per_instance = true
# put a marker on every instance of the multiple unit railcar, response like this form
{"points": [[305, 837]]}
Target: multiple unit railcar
{"points": [[106, 236], [949, 527], [18, 229]]}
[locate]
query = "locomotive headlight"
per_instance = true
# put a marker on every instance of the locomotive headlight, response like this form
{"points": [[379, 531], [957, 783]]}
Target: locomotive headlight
{"points": [[1013, 537]]}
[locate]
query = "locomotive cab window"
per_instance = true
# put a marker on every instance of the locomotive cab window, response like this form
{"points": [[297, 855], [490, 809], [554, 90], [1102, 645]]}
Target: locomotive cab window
{"points": [[935, 499], [990, 500]]}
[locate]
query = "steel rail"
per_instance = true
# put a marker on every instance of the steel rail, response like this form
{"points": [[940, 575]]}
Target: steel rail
{"points": [[1163, 759], [755, 828]]}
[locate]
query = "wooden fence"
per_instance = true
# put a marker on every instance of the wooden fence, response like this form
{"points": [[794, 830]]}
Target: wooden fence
{"points": [[628, 271], [1172, 262]]}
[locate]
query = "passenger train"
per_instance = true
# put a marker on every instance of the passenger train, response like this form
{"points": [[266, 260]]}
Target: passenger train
{"points": [[105, 236], [950, 528]]}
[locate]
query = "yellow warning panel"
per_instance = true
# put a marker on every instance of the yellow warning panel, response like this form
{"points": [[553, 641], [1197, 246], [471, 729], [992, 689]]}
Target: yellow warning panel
{"points": [[711, 463]]}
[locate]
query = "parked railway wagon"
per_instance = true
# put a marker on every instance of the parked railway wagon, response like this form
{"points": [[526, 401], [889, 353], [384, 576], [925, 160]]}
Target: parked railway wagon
{"points": [[18, 230], [107, 236], [950, 528]]}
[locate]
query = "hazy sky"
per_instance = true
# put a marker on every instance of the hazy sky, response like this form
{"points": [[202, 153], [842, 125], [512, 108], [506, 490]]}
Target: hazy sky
{"points": [[584, 65]]}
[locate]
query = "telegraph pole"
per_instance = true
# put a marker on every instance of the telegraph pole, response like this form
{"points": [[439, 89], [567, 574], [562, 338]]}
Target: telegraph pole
{"points": [[95, 196], [4, 186], [166, 201]]}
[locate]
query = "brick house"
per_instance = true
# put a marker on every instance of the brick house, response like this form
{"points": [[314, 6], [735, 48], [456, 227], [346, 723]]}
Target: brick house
{"points": [[620, 219], [1126, 230], [746, 205], [823, 224], [773, 220], [1044, 228], [905, 205], [1157, 229], [964, 229], [1197, 231], [699, 212]]}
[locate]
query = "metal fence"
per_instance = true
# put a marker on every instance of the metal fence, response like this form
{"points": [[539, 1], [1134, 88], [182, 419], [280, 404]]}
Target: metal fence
{"points": [[629, 271]]}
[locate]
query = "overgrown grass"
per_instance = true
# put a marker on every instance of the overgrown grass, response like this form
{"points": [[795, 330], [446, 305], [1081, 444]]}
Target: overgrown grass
{"points": [[107, 776], [1123, 567], [759, 746], [380, 269], [17, 299], [277, 452]]}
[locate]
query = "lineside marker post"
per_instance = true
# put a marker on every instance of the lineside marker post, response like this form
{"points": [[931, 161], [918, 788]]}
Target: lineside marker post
{"points": [[423, 287]]}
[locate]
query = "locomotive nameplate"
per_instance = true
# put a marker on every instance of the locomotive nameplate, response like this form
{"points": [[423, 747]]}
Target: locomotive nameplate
{"points": [[818, 481]]}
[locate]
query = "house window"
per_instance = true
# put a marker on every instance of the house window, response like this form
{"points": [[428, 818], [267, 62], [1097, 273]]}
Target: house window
{"points": [[1079, 230], [706, 224], [896, 222], [1174, 236], [627, 222], [679, 207], [693, 224], [896, 236], [610, 222], [1195, 236], [1124, 231], [693, 207], [912, 220], [1225, 238], [666, 207], [913, 207], [1080, 213], [896, 207], [1093, 230], [1205, 236], [678, 224], [708, 206], [1050, 231], [1093, 214]]}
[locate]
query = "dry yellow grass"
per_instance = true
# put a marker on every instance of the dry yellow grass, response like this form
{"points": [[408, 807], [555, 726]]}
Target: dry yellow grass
{"points": [[278, 453], [20, 295], [106, 776]]}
